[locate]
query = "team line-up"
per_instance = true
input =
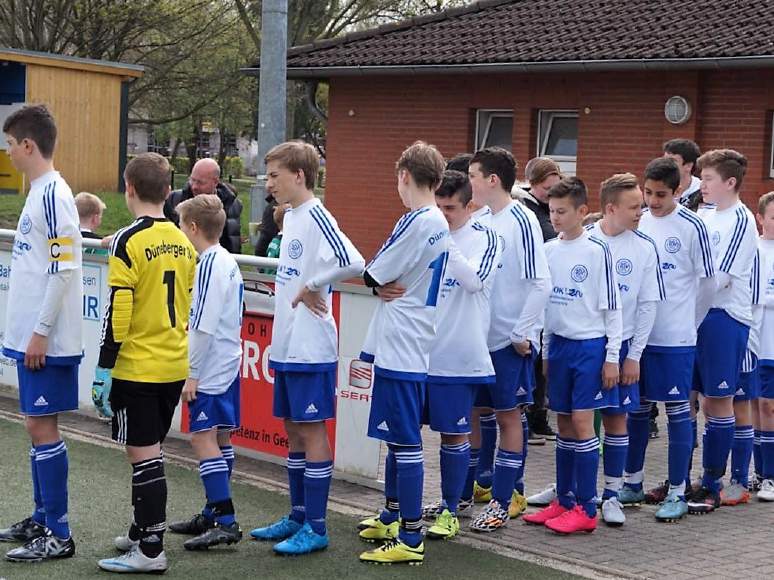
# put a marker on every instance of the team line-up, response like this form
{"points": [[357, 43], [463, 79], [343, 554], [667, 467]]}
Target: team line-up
{"points": [[475, 309]]}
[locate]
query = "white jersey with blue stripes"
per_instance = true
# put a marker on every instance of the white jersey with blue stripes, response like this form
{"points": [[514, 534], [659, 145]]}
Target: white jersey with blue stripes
{"points": [[460, 352], [734, 240], [766, 345], [583, 287], [686, 256]]}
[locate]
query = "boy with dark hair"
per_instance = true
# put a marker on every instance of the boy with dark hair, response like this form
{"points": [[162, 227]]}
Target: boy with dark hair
{"points": [[581, 345], [685, 153], [150, 277], [460, 162], [43, 329]]}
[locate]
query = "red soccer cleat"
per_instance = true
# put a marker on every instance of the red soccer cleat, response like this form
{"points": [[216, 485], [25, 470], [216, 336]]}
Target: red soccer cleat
{"points": [[574, 520], [554, 510]]}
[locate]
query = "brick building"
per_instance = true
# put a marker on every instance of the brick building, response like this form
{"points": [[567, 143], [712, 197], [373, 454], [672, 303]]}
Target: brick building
{"points": [[587, 82]]}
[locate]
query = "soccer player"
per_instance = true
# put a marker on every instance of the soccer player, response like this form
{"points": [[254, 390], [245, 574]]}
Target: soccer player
{"points": [[90, 209], [766, 401], [214, 354], [641, 287], [518, 299], [314, 255], [581, 352], [143, 358], [43, 329], [666, 367], [723, 335], [407, 273], [459, 359], [685, 153]]}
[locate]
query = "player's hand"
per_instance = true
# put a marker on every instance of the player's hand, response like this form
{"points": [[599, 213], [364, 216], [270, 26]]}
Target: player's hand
{"points": [[390, 291], [100, 392], [312, 300], [106, 241], [523, 348], [189, 390], [609, 375], [35, 355], [630, 373]]}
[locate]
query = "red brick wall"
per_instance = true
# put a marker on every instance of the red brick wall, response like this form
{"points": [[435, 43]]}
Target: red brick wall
{"points": [[372, 119]]}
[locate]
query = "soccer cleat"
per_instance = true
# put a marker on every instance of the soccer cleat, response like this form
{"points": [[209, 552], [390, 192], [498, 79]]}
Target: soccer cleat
{"points": [[445, 527], [280, 530], [631, 497], [45, 547], [517, 506], [612, 512], [379, 531], [766, 493], [554, 510], [657, 495], [544, 430], [220, 534], [368, 522], [535, 439], [673, 509], [481, 494], [304, 541], [653, 429], [135, 562], [197, 525], [125, 543], [734, 494], [492, 518], [543, 498], [23, 531], [703, 502], [755, 483], [395, 552], [572, 521], [433, 510]]}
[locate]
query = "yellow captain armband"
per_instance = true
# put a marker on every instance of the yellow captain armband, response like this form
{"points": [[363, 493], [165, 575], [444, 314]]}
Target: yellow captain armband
{"points": [[60, 249]]}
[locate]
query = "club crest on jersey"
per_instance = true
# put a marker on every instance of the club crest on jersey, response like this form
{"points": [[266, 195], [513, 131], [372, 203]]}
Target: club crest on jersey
{"points": [[295, 249], [579, 273], [623, 267], [25, 225], [715, 238], [672, 245]]}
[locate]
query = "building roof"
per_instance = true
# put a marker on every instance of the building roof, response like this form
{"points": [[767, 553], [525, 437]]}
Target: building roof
{"points": [[553, 34], [71, 62]]}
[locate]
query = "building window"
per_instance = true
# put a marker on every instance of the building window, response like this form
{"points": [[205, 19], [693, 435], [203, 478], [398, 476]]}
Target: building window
{"points": [[558, 138], [494, 128]]}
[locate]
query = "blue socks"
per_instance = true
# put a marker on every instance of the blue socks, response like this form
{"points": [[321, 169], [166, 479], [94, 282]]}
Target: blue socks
{"points": [[518, 485], [680, 429], [565, 471], [507, 465], [719, 438], [586, 466], [317, 483], [296, 469], [39, 513], [455, 460], [410, 467], [52, 466], [638, 427], [614, 458], [214, 474], [467, 489], [227, 451], [488, 444], [767, 454], [741, 453], [757, 460], [694, 444], [391, 511]]}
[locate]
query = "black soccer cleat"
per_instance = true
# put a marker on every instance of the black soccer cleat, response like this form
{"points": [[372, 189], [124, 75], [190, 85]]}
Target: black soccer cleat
{"points": [[46, 547], [703, 501], [196, 526], [23, 531], [219, 534]]}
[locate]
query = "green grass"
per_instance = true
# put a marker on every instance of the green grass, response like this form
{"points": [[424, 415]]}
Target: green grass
{"points": [[100, 510]]}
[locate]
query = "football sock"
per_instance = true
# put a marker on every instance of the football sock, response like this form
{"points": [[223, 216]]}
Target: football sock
{"points": [[679, 429], [741, 453], [507, 465], [317, 484], [613, 463], [488, 445], [391, 511], [565, 471], [586, 466], [767, 454], [694, 445], [39, 513], [467, 489], [518, 484], [214, 474], [410, 467], [638, 426], [719, 439], [52, 467], [227, 451], [757, 461], [149, 498], [296, 468], [455, 460]]}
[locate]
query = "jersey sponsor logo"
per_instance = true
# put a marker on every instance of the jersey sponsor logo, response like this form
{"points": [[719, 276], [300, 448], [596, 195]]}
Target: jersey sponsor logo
{"points": [[20, 247], [623, 287], [723, 385], [202, 417], [176, 250], [672, 245], [5, 271], [462, 422], [295, 249], [383, 426], [668, 266], [25, 225], [60, 250], [436, 237], [579, 273], [598, 396], [41, 402], [311, 410], [715, 238], [674, 391], [623, 267]]}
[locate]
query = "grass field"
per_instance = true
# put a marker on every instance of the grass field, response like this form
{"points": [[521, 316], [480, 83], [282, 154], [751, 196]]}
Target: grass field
{"points": [[100, 510]]}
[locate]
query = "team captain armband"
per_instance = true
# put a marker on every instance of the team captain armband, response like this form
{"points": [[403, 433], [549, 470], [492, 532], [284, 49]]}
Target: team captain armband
{"points": [[60, 250]]}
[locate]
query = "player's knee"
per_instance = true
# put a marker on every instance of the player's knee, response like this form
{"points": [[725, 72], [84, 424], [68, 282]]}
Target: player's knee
{"points": [[766, 407], [42, 430]]}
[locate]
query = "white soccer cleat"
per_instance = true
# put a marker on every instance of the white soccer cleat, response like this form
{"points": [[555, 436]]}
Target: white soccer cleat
{"points": [[612, 512], [125, 544], [544, 497], [766, 492], [135, 562]]}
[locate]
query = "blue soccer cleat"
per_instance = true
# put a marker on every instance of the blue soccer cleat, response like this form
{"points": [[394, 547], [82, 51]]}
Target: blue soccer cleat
{"points": [[304, 541], [631, 497], [279, 530], [673, 509]]}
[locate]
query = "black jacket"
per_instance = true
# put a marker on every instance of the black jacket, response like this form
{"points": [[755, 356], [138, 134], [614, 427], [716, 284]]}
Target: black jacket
{"points": [[231, 238], [542, 214], [269, 228]]}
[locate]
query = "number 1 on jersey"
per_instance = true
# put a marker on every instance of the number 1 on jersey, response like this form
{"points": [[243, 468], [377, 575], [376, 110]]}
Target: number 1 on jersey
{"points": [[169, 282], [438, 266]]}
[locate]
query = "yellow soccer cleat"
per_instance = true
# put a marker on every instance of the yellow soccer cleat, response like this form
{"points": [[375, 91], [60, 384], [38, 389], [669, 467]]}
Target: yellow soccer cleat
{"points": [[481, 494], [380, 532], [518, 505], [395, 552], [368, 522], [445, 527]]}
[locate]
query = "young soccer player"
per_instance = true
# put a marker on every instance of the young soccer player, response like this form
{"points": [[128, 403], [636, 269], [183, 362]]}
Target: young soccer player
{"points": [[723, 335], [43, 329], [314, 255], [214, 355], [666, 367], [459, 359], [407, 273], [143, 359], [90, 209], [641, 287], [581, 346], [518, 299], [685, 153]]}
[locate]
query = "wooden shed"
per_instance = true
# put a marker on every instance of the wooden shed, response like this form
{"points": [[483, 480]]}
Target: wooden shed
{"points": [[89, 100]]}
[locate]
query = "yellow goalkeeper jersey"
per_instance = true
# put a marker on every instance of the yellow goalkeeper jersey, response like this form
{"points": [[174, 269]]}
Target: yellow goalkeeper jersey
{"points": [[151, 272]]}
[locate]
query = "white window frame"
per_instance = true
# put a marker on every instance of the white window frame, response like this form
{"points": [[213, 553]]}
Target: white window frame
{"points": [[771, 159], [491, 114], [542, 141]]}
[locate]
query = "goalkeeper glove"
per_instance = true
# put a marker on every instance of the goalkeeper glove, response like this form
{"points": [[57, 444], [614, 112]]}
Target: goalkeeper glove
{"points": [[100, 392]]}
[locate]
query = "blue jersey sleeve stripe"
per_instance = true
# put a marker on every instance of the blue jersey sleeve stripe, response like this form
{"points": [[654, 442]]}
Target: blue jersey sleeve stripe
{"points": [[204, 286], [330, 234], [488, 258], [736, 241], [199, 277], [47, 212], [755, 279], [609, 278], [704, 244], [400, 228], [53, 206], [527, 242], [659, 274]]}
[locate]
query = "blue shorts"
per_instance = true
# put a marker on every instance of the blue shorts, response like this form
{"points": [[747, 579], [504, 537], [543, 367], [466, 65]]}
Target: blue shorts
{"points": [[666, 373], [304, 397], [448, 406], [514, 381], [721, 344], [396, 409], [48, 391], [215, 411], [766, 376], [575, 375], [628, 395]]}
